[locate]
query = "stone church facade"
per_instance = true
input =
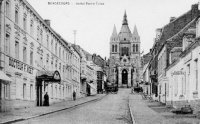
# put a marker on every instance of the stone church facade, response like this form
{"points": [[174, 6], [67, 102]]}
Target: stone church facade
{"points": [[124, 61]]}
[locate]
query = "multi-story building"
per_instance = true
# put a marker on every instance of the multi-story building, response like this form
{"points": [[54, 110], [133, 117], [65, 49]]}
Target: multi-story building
{"points": [[76, 68], [100, 70], [124, 61], [183, 74], [34, 57], [170, 45], [83, 71], [91, 79]]}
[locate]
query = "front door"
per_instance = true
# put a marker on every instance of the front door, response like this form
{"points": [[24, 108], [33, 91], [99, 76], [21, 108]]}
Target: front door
{"points": [[124, 77], [39, 93]]}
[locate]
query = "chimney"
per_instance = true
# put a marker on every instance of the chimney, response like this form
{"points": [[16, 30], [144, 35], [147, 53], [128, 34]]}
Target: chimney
{"points": [[195, 6], [158, 33], [48, 22], [172, 19]]}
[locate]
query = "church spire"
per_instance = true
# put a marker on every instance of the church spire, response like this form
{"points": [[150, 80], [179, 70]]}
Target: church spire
{"points": [[125, 22], [114, 33], [135, 32]]}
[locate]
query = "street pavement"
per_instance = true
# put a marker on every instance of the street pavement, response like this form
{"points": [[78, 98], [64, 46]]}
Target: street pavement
{"points": [[112, 109], [33, 112], [120, 108], [151, 112]]}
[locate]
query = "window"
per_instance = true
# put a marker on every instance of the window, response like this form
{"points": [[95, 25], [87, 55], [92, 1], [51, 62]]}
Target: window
{"points": [[6, 91], [31, 58], [24, 54], [24, 22], [48, 42], [24, 91], [7, 44], [38, 33], [16, 16], [31, 28], [196, 73], [59, 52], [31, 91], [56, 49], [16, 49], [8, 8], [41, 61], [136, 47], [113, 48], [133, 47]]}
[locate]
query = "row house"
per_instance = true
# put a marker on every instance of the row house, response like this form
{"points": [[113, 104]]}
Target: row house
{"points": [[100, 70], [91, 79], [83, 71], [145, 83], [169, 49], [183, 73], [164, 42], [76, 67], [34, 59]]}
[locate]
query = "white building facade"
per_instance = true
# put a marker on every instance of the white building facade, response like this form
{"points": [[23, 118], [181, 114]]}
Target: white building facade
{"points": [[29, 46]]}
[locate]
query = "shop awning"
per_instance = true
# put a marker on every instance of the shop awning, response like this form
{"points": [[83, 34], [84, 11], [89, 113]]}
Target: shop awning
{"points": [[50, 76], [92, 85], [4, 77]]}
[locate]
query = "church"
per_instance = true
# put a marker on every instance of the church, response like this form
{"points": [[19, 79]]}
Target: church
{"points": [[124, 61]]}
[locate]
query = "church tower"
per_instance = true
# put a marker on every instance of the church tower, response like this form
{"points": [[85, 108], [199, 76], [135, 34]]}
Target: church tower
{"points": [[124, 61]]}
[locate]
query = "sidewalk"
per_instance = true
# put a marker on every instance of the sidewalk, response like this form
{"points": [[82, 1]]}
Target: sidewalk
{"points": [[146, 112], [27, 113], [142, 114]]}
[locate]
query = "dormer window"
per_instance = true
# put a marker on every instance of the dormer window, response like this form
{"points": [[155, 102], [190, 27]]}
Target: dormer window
{"points": [[124, 38]]}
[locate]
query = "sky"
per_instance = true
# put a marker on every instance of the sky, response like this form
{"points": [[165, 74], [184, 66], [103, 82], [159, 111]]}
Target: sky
{"points": [[94, 23]]}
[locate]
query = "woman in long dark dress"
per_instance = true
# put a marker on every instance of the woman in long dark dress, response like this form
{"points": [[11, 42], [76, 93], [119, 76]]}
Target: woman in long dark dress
{"points": [[46, 99]]}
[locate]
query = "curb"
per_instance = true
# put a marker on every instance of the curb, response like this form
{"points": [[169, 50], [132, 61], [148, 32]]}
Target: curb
{"points": [[47, 113], [132, 118]]}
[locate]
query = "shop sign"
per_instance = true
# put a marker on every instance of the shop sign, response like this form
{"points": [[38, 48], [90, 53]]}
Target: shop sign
{"points": [[50, 76], [178, 73], [20, 65]]}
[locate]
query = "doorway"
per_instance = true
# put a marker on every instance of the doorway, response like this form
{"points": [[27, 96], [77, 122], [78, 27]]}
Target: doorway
{"points": [[39, 93], [124, 76]]}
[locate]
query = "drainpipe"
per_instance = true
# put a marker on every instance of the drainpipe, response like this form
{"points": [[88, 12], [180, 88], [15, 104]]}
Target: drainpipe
{"points": [[1, 37], [1, 46]]}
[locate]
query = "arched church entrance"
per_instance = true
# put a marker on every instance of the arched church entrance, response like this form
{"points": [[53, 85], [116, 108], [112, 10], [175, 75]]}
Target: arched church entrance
{"points": [[124, 76]]}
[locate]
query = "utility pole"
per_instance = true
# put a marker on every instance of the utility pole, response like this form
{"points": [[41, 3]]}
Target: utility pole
{"points": [[75, 37]]}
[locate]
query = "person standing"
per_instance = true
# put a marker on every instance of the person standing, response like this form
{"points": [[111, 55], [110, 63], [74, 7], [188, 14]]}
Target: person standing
{"points": [[74, 95], [46, 99]]}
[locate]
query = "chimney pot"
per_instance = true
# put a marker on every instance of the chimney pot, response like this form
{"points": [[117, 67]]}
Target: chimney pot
{"points": [[172, 19], [48, 22]]}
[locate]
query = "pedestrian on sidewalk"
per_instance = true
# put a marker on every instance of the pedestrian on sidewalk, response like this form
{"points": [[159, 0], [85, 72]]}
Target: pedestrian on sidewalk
{"points": [[74, 95], [46, 99]]}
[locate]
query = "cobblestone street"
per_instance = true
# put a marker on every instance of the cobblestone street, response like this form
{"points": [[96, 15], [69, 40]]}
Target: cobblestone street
{"points": [[112, 109], [100, 109]]}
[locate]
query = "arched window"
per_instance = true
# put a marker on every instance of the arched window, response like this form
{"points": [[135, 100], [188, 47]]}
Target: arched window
{"points": [[136, 47], [133, 47], [115, 48]]}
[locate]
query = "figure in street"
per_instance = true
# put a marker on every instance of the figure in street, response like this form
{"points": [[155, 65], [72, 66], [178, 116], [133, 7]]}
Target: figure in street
{"points": [[74, 95], [46, 99]]}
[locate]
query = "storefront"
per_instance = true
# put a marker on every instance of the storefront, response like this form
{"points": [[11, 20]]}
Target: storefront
{"points": [[43, 78]]}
